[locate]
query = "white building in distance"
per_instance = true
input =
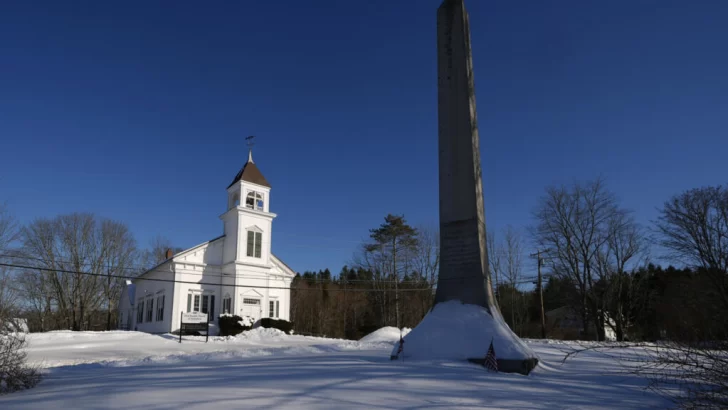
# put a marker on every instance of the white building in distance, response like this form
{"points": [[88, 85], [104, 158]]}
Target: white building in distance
{"points": [[235, 273]]}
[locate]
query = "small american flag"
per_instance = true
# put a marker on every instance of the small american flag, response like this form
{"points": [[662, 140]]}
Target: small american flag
{"points": [[490, 362]]}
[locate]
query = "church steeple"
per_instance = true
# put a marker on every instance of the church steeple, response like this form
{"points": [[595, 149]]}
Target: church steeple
{"points": [[250, 173], [248, 219]]}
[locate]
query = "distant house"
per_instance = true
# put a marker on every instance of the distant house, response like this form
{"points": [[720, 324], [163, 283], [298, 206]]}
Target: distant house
{"points": [[235, 273], [568, 322]]}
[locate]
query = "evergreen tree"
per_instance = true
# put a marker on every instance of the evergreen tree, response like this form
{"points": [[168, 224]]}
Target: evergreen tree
{"points": [[394, 243]]}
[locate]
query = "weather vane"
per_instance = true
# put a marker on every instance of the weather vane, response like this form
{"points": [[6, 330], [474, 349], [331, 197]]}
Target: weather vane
{"points": [[250, 141]]}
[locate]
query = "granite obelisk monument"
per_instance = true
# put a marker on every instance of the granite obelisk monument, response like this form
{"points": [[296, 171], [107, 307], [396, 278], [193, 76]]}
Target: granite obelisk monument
{"points": [[465, 316], [463, 254]]}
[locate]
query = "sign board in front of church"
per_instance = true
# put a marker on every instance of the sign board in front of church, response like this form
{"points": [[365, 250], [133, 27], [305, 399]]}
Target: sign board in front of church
{"points": [[194, 323], [194, 317]]}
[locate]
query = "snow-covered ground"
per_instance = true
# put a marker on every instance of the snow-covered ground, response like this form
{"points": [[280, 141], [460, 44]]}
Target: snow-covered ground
{"points": [[267, 369]]}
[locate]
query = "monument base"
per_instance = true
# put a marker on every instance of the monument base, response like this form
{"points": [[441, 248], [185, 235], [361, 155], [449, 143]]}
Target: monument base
{"points": [[523, 367], [454, 331]]}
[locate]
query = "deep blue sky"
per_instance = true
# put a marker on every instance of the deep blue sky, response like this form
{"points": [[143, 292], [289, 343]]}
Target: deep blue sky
{"points": [[137, 111]]}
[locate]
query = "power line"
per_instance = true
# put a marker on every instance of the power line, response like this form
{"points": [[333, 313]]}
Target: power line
{"points": [[242, 276], [208, 274], [317, 282], [10, 265]]}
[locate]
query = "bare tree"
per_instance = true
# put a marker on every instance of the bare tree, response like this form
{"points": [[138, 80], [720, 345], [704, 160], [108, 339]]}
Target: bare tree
{"points": [[377, 261], [156, 252], [427, 253], [513, 265], [573, 223], [693, 226], [14, 373], [495, 252], [426, 262], [8, 229], [692, 376], [119, 254], [8, 293], [65, 250], [616, 262]]}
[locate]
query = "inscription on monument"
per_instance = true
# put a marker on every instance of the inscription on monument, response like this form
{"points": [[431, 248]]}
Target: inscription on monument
{"points": [[460, 248]]}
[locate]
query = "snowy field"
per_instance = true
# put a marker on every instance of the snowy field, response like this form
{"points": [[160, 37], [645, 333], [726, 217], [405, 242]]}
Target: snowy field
{"points": [[267, 369]]}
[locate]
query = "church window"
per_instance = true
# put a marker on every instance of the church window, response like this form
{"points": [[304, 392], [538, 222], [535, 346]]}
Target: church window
{"points": [[203, 303], [211, 308], [273, 308], [140, 311], [160, 308], [150, 309], [193, 302], [255, 244], [254, 200], [227, 303], [208, 305]]}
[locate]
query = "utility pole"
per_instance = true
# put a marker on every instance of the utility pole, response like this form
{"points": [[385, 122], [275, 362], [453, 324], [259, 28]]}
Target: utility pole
{"points": [[539, 285]]}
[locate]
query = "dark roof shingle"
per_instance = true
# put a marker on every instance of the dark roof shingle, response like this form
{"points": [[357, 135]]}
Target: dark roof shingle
{"points": [[250, 173]]}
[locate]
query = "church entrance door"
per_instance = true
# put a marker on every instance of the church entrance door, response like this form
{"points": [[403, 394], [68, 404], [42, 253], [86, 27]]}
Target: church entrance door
{"points": [[251, 309]]}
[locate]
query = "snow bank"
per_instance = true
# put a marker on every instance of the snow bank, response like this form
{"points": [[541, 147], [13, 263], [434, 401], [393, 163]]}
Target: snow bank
{"points": [[454, 331], [384, 335], [261, 334]]}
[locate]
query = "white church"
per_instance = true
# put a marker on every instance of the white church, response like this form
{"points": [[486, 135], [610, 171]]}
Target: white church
{"points": [[235, 273]]}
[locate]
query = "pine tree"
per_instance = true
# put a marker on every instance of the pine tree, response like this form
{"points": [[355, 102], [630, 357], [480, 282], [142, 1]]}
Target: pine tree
{"points": [[394, 241]]}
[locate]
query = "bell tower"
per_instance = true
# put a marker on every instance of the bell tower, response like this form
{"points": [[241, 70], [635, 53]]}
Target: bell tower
{"points": [[248, 221]]}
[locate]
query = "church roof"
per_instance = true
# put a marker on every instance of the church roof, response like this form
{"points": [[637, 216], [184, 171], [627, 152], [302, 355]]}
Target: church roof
{"points": [[250, 173]]}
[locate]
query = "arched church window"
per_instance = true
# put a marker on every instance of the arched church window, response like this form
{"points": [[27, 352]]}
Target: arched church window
{"points": [[254, 200]]}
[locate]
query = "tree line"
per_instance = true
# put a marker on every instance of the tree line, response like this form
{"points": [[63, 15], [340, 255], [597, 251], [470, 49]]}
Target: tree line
{"points": [[598, 267], [53, 291], [391, 283]]}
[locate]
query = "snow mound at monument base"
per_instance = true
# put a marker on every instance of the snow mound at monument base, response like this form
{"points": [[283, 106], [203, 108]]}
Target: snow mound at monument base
{"points": [[389, 334], [454, 331]]}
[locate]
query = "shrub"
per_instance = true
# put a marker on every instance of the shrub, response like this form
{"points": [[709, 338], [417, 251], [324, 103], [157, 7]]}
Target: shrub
{"points": [[230, 325], [279, 324], [14, 373]]}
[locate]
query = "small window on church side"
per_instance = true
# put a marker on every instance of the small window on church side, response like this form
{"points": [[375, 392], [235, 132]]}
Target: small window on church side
{"points": [[254, 200], [255, 244], [226, 303], [273, 308], [140, 311]]}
